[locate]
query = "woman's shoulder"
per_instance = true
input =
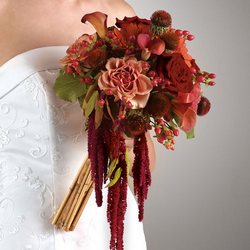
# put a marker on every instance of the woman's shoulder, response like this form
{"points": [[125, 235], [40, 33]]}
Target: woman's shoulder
{"points": [[122, 8]]}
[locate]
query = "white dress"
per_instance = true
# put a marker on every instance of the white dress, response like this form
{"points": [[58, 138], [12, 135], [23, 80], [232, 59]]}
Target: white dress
{"points": [[42, 145]]}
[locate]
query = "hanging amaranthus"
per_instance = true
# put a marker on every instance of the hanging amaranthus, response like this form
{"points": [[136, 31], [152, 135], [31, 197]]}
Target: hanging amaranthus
{"points": [[130, 78]]}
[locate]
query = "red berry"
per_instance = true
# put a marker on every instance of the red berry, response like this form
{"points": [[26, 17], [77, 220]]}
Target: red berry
{"points": [[128, 104], [72, 50], [155, 82], [151, 73], [176, 132], [212, 76], [211, 83], [190, 37], [157, 130], [101, 102], [169, 133], [122, 116], [75, 63], [193, 70], [185, 32], [70, 70], [200, 78], [85, 43], [161, 138], [172, 147], [160, 121], [108, 92], [178, 32], [110, 34], [203, 106]]}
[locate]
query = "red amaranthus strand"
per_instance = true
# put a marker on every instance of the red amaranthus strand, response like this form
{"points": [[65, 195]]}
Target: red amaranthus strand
{"points": [[98, 156], [117, 198], [122, 205], [141, 172]]}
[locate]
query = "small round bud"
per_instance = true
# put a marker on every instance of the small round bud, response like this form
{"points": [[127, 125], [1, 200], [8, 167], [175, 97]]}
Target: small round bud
{"points": [[212, 76], [128, 104], [185, 32], [190, 37], [178, 32], [176, 132], [151, 73], [101, 102], [211, 83], [193, 70], [200, 78], [121, 116], [169, 133], [108, 92], [157, 130]]}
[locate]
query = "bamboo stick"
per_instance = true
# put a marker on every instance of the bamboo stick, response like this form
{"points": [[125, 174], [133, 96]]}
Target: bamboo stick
{"points": [[79, 193], [68, 195], [79, 201], [81, 182], [77, 217]]}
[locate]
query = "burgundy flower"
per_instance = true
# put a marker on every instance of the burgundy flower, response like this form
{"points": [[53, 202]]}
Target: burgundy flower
{"points": [[179, 73]]}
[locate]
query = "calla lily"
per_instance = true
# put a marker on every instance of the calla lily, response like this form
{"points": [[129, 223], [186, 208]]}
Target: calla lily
{"points": [[98, 20], [155, 46], [186, 115]]}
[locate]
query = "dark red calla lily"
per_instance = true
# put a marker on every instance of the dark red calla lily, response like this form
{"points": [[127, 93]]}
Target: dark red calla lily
{"points": [[98, 20]]}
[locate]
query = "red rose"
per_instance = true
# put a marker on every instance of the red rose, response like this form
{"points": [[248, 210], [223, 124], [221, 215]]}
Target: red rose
{"points": [[135, 20], [179, 73]]}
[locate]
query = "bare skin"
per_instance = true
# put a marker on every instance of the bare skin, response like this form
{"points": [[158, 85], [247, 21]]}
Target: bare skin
{"points": [[29, 24]]}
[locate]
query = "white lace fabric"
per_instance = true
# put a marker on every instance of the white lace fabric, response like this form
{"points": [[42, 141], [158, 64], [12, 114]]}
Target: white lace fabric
{"points": [[42, 145]]}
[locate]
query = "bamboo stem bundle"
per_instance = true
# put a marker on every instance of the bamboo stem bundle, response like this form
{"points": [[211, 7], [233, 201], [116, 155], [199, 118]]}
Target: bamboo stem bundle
{"points": [[72, 206]]}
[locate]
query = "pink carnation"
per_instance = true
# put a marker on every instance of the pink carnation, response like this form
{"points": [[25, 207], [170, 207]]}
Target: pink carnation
{"points": [[124, 77]]}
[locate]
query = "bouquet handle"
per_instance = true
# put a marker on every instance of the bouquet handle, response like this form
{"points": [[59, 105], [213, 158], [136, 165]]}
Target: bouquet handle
{"points": [[72, 206]]}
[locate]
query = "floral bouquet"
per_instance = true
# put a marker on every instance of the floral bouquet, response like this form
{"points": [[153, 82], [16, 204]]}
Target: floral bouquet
{"points": [[131, 78]]}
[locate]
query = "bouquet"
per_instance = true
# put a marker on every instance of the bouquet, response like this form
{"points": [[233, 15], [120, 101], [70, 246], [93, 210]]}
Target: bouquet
{"points": [[128, 79]]}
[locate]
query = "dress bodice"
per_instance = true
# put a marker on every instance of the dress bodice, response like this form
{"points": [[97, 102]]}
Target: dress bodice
{"points": [[42, 145]]}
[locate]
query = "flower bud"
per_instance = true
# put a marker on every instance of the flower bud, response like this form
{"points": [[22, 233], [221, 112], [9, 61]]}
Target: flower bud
{"points": [[203, 106], [161, 18]]}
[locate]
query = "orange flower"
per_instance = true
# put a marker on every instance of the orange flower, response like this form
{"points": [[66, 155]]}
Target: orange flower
{"points": [[130, 27], [182, 49], [124, 78]]}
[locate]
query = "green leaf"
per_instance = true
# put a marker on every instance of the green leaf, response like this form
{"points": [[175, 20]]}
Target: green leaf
{"points": [[127, 161], [91, 104], [98, 115], [116, 178], [190, 134], [69, 87], [112, 167]]}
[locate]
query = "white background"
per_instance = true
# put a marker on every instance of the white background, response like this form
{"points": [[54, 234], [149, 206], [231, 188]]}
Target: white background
{"points": [[200, 196]]}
